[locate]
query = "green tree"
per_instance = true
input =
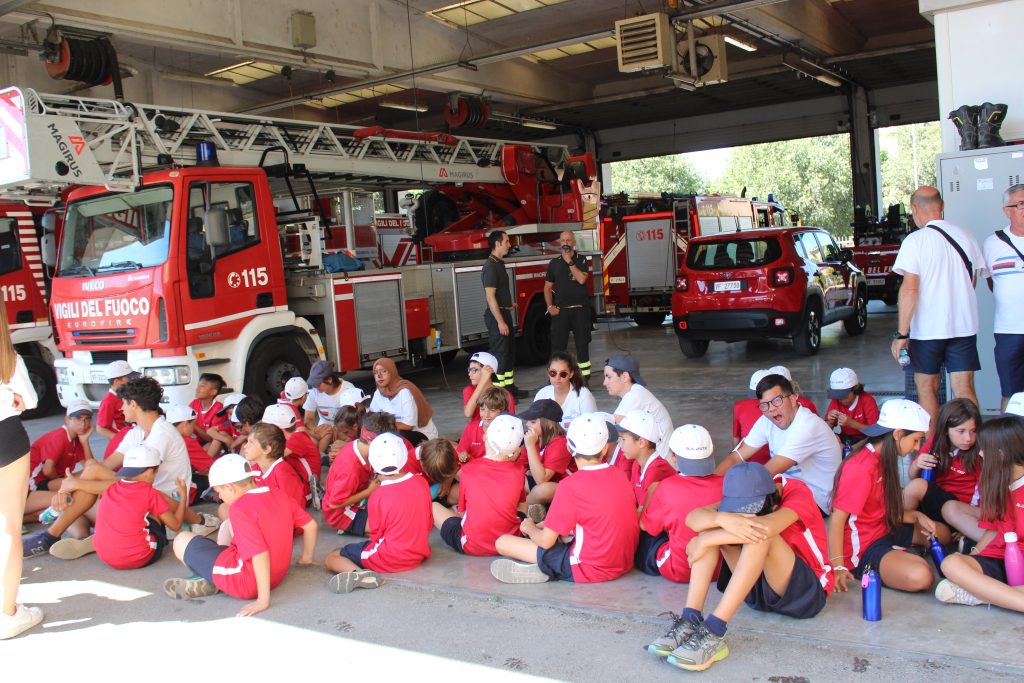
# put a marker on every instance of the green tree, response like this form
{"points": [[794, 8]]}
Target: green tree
{"points": [[656, 174], [907, 158]]}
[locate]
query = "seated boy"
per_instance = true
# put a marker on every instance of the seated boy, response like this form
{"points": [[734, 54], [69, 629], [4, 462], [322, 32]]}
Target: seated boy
{"points": [[398, 514], [306, 463], [119, 539], [435, 459], [663, 531], [62, 449], [264, 449], [183, 418], [226, 432], [208, 410], [776, 561], [260, 553], [493, 487], [492, 402], [639, 433], [110, 417], [596, 503], [350, 480], [294, 395]]}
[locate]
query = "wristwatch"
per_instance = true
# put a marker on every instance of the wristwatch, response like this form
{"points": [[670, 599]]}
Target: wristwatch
{"points": [[897, 335]]}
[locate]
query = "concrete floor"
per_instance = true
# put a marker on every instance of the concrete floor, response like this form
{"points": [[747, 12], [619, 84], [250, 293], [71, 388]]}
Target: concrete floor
{"points": [[449, 617]]}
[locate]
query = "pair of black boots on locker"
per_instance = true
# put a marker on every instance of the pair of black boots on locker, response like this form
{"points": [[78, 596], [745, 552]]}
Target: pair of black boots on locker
{"points": [[978, 126]]}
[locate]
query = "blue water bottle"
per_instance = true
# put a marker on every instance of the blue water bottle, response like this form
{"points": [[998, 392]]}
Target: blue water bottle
{"points": [[938, 554], [871, 594], [928, 474], [846, 449]]}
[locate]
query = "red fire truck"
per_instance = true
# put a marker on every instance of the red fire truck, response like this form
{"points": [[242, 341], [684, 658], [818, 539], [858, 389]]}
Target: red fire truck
{"points": [[190, 245], [643, 243]]}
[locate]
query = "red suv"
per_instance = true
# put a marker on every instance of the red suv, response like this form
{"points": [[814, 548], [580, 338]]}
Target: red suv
{"points": [[757, 284]]}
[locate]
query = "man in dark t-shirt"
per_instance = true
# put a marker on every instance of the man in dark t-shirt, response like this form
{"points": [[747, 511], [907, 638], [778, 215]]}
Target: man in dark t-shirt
{"points": [[565, 292], [499, 310]]}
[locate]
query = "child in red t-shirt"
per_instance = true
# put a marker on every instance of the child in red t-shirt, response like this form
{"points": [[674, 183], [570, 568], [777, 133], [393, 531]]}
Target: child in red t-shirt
{"points": [[745, 413], [62, 449], [110, 417], [547, 458], [350, 480], [399, 514], [294, 396], [347, 422], [493, 487], [183, 418], [639, 434], [492, 402], [596, 504], [952, 454], [264, 449], [300, 450], [238, 413], [436, 460], [980, 578], [483, 367], [208, 410], [851, 408], [262, 525]]}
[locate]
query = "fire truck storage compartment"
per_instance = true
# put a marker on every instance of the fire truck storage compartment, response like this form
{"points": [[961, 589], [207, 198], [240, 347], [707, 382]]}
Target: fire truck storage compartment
{"points": [[471, 303], [380, 317], [650, 249]]}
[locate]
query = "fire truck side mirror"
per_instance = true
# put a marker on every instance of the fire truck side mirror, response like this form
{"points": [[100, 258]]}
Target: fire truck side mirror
{"points": [[48, 249], [216, 223]]}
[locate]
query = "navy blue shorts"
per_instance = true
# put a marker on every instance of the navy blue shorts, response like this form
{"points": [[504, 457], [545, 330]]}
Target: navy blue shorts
{"points": [[903, 537], [159, 533], [555, 561], [959, 354], [358, 525], [991, 567], [354, 552], [803, 599], [451, 533], [934, 498], [1010, 363], [201, 554], [647, 552]]}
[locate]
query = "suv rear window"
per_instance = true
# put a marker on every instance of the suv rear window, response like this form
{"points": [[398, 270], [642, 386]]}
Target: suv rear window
{"points": [[733, 253]]}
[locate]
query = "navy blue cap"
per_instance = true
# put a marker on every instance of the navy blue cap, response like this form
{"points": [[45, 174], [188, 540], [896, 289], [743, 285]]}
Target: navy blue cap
{"points": [[626, 363], [745, 487]]}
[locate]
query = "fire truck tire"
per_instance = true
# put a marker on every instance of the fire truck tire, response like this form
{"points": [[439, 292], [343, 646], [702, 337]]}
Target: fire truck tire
{"points": [[807, 340], [45, 383], [273, 363], [858, 322], [693, 348], [649, 319], [534, 347]]}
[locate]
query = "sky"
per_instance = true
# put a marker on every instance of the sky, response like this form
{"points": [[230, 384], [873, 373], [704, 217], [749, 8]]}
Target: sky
{"points": [[710, 162]]}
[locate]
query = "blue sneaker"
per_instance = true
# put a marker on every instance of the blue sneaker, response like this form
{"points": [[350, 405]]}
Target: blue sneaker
{"points": [[37, 544]]}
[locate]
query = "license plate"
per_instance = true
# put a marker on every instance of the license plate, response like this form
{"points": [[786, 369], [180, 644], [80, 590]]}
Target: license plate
{"points": [[876, 281], [728, 286]]}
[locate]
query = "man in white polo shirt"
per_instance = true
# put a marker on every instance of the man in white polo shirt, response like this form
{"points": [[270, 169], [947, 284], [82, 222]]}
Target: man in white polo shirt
{"points": [[801, 444]]}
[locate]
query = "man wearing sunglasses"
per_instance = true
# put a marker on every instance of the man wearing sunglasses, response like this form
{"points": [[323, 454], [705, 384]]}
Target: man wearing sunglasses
{"points": [[1004, 256], [565, 292], [802, 445]]}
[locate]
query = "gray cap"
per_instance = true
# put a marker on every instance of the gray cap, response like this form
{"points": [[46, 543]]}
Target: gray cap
{"points": [[321, 370]]}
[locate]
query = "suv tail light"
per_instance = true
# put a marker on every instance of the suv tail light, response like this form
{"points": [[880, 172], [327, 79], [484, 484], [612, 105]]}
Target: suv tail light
{"points": [[782, 277], [682, 283]]}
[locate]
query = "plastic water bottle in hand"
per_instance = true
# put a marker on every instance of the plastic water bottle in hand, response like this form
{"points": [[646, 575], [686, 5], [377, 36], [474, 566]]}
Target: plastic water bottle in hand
{"points": [[904, 359], [938, 554]]}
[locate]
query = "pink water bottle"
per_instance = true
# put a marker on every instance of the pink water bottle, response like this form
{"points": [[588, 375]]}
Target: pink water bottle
{"points": [[1014, 559]]}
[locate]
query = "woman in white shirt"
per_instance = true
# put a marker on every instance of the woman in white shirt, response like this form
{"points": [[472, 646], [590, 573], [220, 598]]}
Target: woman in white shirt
{"points": [[566, 388], [403, 399], [16, 396]]}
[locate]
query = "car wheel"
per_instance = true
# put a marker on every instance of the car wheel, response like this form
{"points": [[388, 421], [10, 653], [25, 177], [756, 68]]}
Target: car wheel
{"points": [[693, 348], [858, 322], [808, 339]]}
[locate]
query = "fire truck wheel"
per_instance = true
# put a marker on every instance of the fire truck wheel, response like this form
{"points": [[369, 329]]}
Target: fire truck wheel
{"points": [[45, 383], [273, 363], [693, 348], [534, 346], [649, 319]]}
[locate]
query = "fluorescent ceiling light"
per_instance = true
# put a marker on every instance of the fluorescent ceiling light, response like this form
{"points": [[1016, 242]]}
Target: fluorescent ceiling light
{"points": [[404, 107], [575, 49], [246, 72], [533, 123], [741, 44], [828, 80], [470, 12], [354, 96]]}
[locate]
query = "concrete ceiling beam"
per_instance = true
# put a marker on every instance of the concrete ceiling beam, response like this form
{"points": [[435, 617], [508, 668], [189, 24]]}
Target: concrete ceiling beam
{"points": [[813, 24]]}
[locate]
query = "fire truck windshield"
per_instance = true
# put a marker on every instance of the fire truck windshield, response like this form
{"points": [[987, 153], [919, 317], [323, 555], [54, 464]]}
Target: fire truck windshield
{"points": [[116, 232]]}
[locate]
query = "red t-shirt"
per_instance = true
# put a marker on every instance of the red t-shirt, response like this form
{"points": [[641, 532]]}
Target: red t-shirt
{"points": [[489, 493], [806, 536], [597, 506], [56, 446], [671, 502], [282, 400], [197, 455], [955, 479], [860, 493], [350, 473], [122, 537], [304, 448], [555, 457], [806, 403], [400, 517], [620, 462], [641, 478], [1012, 521], [864, 409], [467, 391], [282, 477], [744, 414], [208, 418], [472, 441], [110, 416], [262, 521]]}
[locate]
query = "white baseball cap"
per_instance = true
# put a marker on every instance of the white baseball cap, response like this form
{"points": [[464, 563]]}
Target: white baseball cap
{"points": [[781, 370], [505, 433], [388, 453], [351, 396], [295, 388], [119, 368], [756, 377], [78, 407], [693, 449], [230, 469], [137, 459], [642, 424], [179, 412], [899, 413], [1015, 406], [282, 417], [484, 358], [841, 382], [230, 400], [587, 436]]}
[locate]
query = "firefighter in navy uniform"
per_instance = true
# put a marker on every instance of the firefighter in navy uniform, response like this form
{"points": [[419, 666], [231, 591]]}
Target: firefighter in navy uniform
{"points": [[565, 292], [499, 312]]}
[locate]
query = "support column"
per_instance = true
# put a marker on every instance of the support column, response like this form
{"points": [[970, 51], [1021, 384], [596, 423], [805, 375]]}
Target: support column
{"points": [[863, 152]]}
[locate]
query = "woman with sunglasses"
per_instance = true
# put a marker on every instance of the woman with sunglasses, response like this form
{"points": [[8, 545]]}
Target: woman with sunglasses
{"points": [[567, 388]]}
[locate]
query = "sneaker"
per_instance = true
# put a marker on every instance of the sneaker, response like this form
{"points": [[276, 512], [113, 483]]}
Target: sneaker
{"points": [[72, 548], [953, 594], [186, 589], [22, 620], [676, 636], [536, 512], [346, 582], [510, 571], [37, 544], [207, 527], [702, 649]]}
